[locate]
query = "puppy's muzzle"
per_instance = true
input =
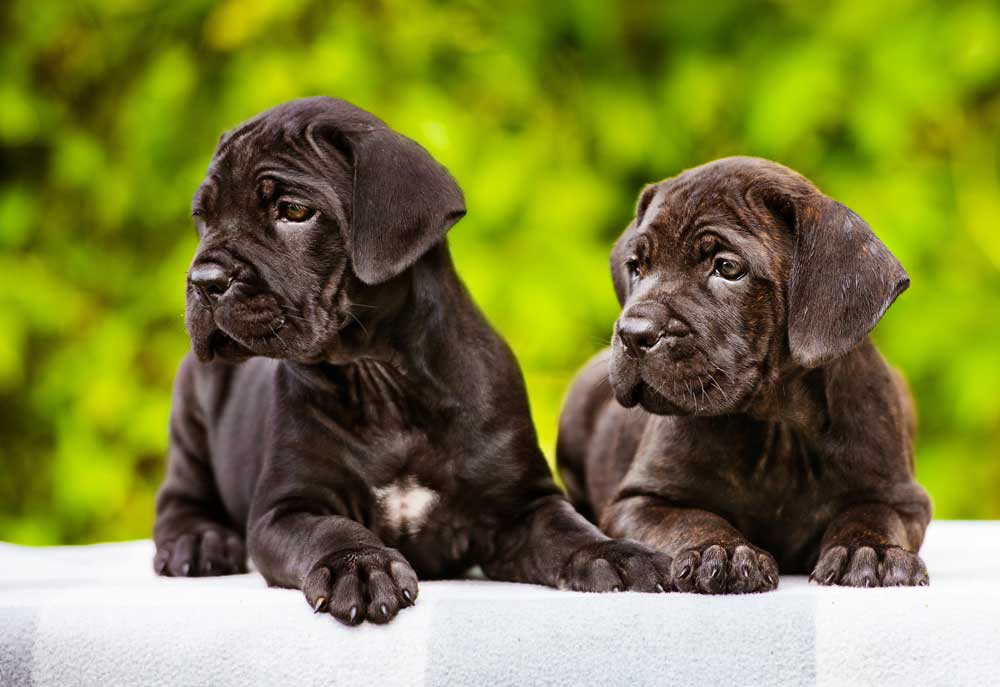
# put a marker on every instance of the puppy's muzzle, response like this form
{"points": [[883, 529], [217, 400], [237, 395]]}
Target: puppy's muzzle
{"points": [[210, 281], [647, 326]]}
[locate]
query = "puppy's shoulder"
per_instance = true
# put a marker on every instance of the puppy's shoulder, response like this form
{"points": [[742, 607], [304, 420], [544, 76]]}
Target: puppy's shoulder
{"points": [[864, 389], [865, 372]]}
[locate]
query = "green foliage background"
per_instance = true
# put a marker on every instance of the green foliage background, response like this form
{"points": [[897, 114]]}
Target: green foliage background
{"points": [[552, 115]]}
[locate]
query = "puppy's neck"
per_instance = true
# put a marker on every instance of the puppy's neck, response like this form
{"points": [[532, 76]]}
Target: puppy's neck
{"points": [[402, 325], [796, 397]]}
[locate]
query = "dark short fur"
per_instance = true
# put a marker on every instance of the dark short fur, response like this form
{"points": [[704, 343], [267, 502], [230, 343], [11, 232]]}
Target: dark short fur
{"points": [[749, 423], [379, 428]]}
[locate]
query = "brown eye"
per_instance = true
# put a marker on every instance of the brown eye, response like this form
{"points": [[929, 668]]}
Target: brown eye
{"points": [[728, 268], [293, 212]]}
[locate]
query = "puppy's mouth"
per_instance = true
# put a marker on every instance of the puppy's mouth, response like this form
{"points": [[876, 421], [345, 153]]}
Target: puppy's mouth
{"points": [[664, 386], [236, 341], [652, 400], [236, 329], [221, 345]]}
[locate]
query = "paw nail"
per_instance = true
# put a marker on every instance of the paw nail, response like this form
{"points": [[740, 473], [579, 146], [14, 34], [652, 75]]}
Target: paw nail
{"points": [[407, 596], [746, 571], [714, 573], [319, 604], [685, 572], [615, 588], [770, 580], [185, 569], [829, 578], [208, 567], [354, 613], [659, 588]]}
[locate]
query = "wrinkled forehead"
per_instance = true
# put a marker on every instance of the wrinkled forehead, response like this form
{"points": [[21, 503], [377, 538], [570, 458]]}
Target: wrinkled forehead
{"points": [[269, 152], [675, 207], [719, 201]]}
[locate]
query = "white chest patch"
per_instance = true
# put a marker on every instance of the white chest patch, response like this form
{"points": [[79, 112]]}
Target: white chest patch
{"points": [[406, 504]]}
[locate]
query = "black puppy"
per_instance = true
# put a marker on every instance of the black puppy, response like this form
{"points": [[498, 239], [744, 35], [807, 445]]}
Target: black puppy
{"points": [[381, 426], [767, 421]]}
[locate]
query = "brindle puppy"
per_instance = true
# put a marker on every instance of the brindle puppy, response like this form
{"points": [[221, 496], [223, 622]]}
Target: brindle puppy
{"points": [[380, 429], [769, 432]]}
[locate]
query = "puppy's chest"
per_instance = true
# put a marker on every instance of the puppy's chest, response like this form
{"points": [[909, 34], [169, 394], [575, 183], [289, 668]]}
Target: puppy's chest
{"points": [[785, 501], [781, 487], [404, 506], [416, 504]]}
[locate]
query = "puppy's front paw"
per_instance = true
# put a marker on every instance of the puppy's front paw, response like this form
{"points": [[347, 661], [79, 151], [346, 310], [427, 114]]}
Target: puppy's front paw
{"points": [[370, 583], [867, 566], [616, 565], [731, 569], [210, 551]]}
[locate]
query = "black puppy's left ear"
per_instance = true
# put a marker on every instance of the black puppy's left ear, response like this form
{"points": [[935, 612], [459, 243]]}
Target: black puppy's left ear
{"points": [[619, 273], [842, 278], [404, 202]]}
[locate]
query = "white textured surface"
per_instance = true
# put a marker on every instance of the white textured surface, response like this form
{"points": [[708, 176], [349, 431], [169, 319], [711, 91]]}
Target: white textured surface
{"points": [[97, 615]]}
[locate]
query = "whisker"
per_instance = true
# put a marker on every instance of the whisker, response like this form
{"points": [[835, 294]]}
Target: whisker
{"points": [[718, 386], [354, 317], [693, 397], [278, 336]]}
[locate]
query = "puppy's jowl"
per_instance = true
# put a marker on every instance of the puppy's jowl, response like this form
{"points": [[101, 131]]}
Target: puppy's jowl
{"points": [[377, 428], [750, 424]]}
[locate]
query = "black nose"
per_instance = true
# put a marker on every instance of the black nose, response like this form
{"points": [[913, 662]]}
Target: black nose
{"points": [[210, 280], [638, 334]]}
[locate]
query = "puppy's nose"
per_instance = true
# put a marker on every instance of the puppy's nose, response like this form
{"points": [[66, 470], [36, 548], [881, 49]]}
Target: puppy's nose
{"points": [[638, 334], [210, 280]]}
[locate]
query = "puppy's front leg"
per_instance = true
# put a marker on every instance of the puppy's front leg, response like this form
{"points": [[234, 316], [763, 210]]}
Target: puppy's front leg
{"points": [[709, 554], [194, 534], [552, 544], [340, 565], [192, 531], [874, 545]]}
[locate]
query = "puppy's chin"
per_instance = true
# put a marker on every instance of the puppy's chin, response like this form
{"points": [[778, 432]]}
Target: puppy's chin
{"points": [[215, 344], [669, 389], [210, 341], [645, 396], [632, 390]]}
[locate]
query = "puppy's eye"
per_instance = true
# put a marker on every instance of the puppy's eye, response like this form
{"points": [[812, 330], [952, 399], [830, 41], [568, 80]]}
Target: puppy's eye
{"points": [[293, 212], [727, 268], [632, 267]]}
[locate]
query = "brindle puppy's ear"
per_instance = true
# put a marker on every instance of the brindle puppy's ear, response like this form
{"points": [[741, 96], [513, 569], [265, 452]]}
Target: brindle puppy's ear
{"points": [[404, 202], [842, 278], [619, 274]]}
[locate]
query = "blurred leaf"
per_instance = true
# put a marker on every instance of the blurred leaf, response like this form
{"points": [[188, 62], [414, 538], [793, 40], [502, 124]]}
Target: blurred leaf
{"points": [[552, 116]]}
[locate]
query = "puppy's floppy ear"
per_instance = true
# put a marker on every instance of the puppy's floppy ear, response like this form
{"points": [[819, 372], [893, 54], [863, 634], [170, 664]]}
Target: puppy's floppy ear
{"points": [[842, 277], [404, 202], [619, 275]]}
